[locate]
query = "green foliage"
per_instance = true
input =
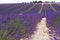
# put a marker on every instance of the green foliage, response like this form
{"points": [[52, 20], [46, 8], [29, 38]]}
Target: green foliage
{"points": [[3, 33], [21, 27], [22, 30], [15, 23], [10, 38], [56, 21]]}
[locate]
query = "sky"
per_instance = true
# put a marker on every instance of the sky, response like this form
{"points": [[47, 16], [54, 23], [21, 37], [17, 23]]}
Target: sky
{"points": [[19, 1]]}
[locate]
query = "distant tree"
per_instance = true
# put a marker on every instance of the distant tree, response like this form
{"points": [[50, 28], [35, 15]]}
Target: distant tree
{"points": [[39, 1], [34, 1]]}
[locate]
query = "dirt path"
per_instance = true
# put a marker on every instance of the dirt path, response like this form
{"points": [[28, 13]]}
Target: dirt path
{"points": [[42, 32]]}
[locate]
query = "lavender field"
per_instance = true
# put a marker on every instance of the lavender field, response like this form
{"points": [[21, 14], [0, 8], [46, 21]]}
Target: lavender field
{"points": [[24, 21]]}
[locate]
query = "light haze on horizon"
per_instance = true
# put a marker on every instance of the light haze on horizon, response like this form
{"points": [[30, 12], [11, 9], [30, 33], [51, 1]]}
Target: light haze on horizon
{"points": [[20, 1]]}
